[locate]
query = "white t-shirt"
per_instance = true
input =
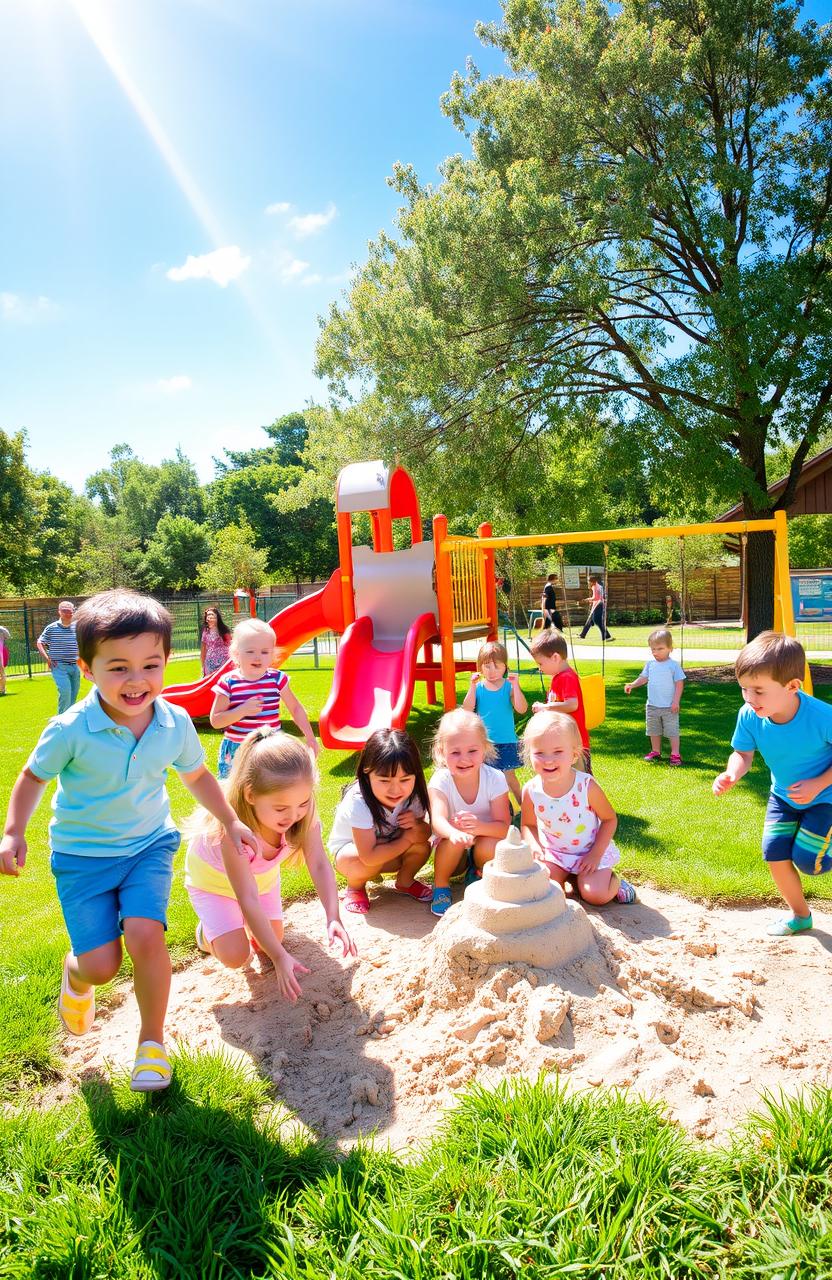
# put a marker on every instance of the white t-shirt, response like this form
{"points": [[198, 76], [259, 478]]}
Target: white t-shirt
{"points": [[492, 784], [353, 811]]}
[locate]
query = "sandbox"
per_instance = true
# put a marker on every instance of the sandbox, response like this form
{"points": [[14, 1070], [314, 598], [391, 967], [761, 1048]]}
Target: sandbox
{"points": [[687, 1004]]}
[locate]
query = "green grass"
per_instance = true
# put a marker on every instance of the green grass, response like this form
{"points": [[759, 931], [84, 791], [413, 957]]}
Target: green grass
{"points": [[527, 1180], [523, 1181], [672, 832]]}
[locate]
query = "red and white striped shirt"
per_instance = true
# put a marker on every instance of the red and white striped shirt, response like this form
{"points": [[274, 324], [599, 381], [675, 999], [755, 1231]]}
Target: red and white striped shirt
{"points": [[238, 690]]}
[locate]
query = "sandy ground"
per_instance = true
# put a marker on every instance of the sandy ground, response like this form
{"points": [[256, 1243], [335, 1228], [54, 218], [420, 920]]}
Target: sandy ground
{"points": [[687, 1004]]}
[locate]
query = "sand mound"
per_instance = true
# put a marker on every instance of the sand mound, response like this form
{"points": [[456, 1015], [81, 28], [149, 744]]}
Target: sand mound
{"points": [[684, 1003]]}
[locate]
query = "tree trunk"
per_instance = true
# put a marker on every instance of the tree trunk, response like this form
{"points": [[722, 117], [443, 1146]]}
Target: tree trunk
{"points": [[760, 577]]}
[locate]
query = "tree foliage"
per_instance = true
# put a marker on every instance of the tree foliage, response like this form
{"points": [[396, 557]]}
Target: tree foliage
{"points": [[141, 493], [644, 219], [235, 560]]}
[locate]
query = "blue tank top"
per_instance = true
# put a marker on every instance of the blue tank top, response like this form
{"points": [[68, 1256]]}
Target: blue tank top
{"points": [[495, 709]]}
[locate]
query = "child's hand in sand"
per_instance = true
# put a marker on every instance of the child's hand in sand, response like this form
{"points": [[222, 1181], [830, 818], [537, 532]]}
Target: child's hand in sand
{"points": [[336, 932], [285, 968], [722, 783]]}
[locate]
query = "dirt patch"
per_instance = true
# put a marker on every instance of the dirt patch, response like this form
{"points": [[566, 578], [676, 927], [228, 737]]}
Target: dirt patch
{"points": [[685, 1003], [726, 675]]}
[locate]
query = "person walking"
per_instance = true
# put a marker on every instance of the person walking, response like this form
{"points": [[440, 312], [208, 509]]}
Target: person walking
{"points": [[597, 609], [59, 649]]}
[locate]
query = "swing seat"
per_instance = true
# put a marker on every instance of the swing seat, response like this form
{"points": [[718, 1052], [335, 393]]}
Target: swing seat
{"points": [[595, 700]]}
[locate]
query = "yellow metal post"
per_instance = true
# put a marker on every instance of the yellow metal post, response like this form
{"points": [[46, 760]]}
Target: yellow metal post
{"points": [[783, 606]]}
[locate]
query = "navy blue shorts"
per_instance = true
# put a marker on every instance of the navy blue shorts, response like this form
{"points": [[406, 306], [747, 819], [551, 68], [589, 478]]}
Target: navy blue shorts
{"points": [[801, 836], [96, 894], [508, 756]]}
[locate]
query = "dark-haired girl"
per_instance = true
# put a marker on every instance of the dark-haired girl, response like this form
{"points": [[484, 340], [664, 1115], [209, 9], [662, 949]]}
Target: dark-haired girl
{"points": [[381, 821], [214, 641]]}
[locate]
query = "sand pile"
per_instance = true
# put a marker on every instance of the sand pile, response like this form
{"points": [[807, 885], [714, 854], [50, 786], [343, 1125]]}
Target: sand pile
{"points": [[516, 913], [687, 1004]]}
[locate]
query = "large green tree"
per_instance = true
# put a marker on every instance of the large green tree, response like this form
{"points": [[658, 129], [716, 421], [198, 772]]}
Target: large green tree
{"points": [[287, 438], [18, 513], [141, 493], [644, 219]]}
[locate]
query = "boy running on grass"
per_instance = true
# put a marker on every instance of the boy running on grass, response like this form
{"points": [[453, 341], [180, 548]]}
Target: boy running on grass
{"points": [[112, 835], [793, 733]]}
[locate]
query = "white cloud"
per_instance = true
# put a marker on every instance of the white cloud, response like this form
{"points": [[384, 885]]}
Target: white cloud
{"points": [[170, 386], [312, 278], [222, 266], [290, 268], [16, 309], [308, 224], [282, 206]]}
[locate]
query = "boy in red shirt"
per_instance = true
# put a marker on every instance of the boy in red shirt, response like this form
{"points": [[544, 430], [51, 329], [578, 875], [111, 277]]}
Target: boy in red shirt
{"points": [[549, 652]]}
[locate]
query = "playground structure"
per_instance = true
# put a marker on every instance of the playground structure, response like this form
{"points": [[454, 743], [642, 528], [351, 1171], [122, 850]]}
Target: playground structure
{"points": [[392, 608]]}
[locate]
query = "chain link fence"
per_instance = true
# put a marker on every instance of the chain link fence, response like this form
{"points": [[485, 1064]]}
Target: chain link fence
{"points": [[26, 622]]}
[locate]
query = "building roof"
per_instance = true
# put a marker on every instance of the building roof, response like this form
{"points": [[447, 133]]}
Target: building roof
{"points": [[814, 490]]}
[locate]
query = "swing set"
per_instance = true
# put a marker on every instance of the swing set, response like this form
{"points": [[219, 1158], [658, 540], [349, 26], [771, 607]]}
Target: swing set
{"points": [[454, 559]]}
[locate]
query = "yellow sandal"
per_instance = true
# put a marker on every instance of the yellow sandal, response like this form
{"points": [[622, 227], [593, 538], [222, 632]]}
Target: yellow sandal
{"points": [[76, 1010], [152, 1069]]}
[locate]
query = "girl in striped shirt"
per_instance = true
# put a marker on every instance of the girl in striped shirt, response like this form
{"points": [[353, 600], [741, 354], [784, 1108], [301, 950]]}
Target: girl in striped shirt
{"points": [[249, 696]]}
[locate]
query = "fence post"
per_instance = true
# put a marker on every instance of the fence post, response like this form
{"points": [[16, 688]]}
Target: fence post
{"points": [[26, 636], [315, 652]]}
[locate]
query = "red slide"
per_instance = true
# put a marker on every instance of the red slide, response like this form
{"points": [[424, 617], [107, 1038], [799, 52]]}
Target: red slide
{"points": [[371, 689], [292, 627]]}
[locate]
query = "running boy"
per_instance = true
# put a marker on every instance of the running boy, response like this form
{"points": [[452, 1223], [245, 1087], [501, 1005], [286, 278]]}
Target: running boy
{"points": [[112, 836], [549, 652], [793, 733], [665, 681]]}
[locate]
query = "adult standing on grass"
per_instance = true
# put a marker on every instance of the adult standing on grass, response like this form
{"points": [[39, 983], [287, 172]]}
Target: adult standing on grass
{"points": [[59, 649], [214, 641], [5, 637]]}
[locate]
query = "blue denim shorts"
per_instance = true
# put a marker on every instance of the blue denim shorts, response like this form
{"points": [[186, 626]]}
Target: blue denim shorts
{"points": [[96, 894], [508, 756], [801, 836]]}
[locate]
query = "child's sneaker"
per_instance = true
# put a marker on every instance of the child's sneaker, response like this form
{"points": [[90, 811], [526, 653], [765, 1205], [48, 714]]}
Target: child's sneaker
{"points": [[675, 758], [788, 926], [653, 755], [440, 901], [626, 893]]}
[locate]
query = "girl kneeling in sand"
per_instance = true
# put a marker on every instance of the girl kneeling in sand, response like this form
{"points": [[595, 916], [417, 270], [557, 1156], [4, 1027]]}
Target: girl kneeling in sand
{"points": [[237, 899], [566, 819], [379, 824], [469, 803]]}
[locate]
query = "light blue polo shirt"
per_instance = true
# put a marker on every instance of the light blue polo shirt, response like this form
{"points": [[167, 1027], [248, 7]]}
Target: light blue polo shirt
{"points": [[111, 796], [800, 749]]}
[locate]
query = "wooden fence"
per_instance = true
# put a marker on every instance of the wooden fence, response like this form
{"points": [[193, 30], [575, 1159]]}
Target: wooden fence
{"points": [[713, 595]]}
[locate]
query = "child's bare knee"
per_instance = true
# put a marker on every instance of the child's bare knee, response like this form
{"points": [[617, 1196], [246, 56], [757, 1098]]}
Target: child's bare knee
{"points": [[232, 949], [142, 937]]}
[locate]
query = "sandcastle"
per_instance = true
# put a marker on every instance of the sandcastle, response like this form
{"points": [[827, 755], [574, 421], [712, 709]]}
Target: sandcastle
{"points": [[516, 913]]}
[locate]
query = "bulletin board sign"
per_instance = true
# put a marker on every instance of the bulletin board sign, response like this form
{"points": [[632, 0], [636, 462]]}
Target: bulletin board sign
{"points": [[812, 596]]}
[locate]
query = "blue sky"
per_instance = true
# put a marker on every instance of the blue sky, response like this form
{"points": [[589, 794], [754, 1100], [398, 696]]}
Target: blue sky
{"points": [[186, 184]]}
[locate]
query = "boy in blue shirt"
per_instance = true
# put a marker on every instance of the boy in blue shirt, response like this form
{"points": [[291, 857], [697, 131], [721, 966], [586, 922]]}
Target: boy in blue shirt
{"points": [[112, 836], [793, 733], [665, 681]]}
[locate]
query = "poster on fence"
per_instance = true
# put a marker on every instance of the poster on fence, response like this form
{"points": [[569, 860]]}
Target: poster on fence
{"points": [[812, 597]]}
